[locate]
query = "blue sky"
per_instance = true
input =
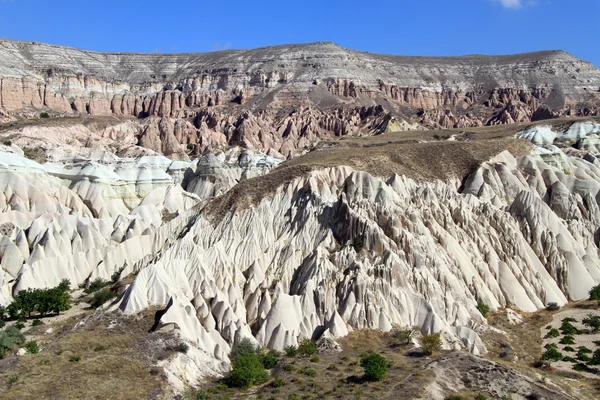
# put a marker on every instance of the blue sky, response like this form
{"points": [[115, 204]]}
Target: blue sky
{"points": [[416, 27]]}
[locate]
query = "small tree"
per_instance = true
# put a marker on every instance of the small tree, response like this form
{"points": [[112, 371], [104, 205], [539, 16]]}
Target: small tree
{"points": [[483, 308], [32, 347], [244, 346], [593, 322], [552, 353], [307, 348], [291, 351], [552, 333], [101, 296], [595, 293], [246, 370], [567, 339], [270, 359], [375, 367], [431, 343]]}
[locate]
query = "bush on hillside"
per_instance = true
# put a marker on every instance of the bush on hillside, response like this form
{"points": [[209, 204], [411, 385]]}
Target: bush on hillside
{"points": [[10, 339], [246, 370], [96, 285], [431, 343], [593, 322], [101, 296], [483, 308], [375, 367], [291, 351], [307, 348], [595, 293]]}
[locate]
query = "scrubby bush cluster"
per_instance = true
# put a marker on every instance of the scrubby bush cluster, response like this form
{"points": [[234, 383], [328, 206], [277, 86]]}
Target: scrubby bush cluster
{"points": [[595, 293], [375, 367], [249, 364], [10, 339], [43, 301], [431, 343], [483, 308]]}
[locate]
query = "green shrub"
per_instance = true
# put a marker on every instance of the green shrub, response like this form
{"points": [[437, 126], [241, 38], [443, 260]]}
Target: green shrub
{"points": [[2, 323], [244, 346], [277, 382], [480, 396], [32, 347], [431, 343], [593, 322], [568, 339], [595, 358], [7, 142], [99, 348], [307, 347], [75, 358], [582, 354], [44, 115], [101, 296], [358, 243], [580, 367], [315, 359], [44, 301], [19, 325], [569, 348], [552, 354], [583, 350], [308, 371], [246, 370], [291, 351], [404, 335], [375, 367], [182, 347], [289, 368], [569, 359], [483, 308], [453, 397], [552, 333], [12, 380], [37, 322], [332, 367], [96, 285], [567, 328], [595, 293], [10, 338], [270, 359]]}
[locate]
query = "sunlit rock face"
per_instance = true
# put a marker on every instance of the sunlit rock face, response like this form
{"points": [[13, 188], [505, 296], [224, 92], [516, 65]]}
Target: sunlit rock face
{"points": [[285, 98], [326, 252]]}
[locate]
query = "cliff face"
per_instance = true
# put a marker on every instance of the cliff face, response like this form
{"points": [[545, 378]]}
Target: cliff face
{"points": [[285, 98]]}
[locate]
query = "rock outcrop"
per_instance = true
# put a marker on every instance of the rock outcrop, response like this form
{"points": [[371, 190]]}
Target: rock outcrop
{"points": [[286, 98]]}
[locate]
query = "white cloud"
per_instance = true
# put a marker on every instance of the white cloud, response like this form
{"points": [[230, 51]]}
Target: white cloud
{"points": [[511, 3]]}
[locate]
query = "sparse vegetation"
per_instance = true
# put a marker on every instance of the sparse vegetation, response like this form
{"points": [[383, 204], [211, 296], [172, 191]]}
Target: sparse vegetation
{"points": [[358, 243], [551, 353], [483, 308], [552, 333], [595, 293], [246, 370], [567, 339], [32, 347], [291, 351], [10, 339], [593, 322], [307, 348], [431, 343], [37, 322], [75, 358], [375, 367], [182, 347], [270, 359], [315, 359], [96, 285], [101, 296]]}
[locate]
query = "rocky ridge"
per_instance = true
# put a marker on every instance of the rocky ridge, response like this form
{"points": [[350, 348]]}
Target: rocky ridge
{"points": [[286, 98], [317, 249]]}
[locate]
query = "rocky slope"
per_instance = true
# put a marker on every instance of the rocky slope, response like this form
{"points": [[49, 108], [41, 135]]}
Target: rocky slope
{"points": [[286, 98], [365, 233]]}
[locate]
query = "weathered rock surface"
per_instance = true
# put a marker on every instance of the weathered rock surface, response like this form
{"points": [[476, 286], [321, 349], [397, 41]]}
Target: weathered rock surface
{"points": [[286, 98]]}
